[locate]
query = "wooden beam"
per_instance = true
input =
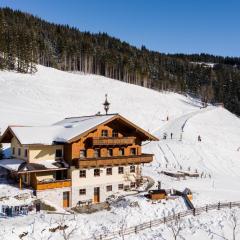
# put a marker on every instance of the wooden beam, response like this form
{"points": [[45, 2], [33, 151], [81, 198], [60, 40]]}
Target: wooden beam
{"points": [[20, 182]]}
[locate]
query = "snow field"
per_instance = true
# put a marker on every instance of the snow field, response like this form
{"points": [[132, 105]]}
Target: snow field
{"points": [[51, 95]]}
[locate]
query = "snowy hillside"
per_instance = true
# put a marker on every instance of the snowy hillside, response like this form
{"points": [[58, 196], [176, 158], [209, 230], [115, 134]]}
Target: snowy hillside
{"points": [[50, 95]]}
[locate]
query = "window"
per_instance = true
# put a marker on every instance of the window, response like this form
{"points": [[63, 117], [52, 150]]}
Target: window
{"points": [[19, 152], [109, 171], [115, 133], [121, 151], [110, 152], [133, 151], [82, 191], [132, 185], [13, 151], [96, 172], [120, 186], [104, 133], [83, 153], [97, 153], [132, 168], [58, 153], [120, 170], [82, 173], [109, 188], [25, 153]]}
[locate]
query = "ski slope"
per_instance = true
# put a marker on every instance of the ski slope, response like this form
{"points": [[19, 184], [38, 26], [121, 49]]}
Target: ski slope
{"points": [[51, 95]]}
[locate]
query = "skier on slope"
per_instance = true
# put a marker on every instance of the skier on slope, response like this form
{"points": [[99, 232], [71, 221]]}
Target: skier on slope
{"points": [[199, 138]]}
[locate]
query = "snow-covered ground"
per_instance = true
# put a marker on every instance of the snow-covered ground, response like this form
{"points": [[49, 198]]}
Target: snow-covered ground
{"points": [[50, 95]]}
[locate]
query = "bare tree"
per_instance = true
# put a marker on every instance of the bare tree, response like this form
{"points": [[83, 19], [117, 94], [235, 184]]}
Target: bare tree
{"points": [[234, 223], [65, 231], [175, 227]]}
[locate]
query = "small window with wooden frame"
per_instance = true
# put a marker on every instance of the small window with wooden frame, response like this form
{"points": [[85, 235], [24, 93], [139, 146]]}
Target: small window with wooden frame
{"points": [[83, 153], [96, 172], [59, 153], [25, 153], [82, 174], [133, 151], [109, 171], [120, 170], [13, 151], [109, 188], [82, 191], [104, 133], [132, 169], [19, 151], [114, 133]]}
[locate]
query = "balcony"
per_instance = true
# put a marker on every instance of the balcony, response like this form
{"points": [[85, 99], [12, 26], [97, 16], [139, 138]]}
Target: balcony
{"points": [[112, 161], [52, 184], [107, 141]]}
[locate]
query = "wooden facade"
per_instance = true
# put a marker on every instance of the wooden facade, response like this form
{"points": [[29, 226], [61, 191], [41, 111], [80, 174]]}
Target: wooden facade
{"points": [[115, 137], [113, 141], [52, 185], [112, 161]]}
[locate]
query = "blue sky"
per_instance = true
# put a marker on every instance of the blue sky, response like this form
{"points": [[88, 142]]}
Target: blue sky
{"points": [[170, 26]]}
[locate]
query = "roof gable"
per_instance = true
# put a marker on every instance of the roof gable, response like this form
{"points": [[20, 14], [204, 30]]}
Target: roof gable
{"points": [[145, 135], [67, 130]]}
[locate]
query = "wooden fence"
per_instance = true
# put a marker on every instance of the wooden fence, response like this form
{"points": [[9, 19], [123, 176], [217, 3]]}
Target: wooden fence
{"points": [[154, 223]]}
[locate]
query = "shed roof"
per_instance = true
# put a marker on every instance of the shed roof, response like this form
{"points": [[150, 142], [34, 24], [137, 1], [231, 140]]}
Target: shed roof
{"points": [[18, 165]]}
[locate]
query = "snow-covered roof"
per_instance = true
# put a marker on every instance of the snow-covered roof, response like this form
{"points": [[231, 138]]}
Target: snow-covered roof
{"points": [[66, 130], [61, 131], [43, 165], [12, 164]]}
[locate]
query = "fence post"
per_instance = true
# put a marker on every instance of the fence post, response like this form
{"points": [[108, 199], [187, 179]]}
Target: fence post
{"points": [[136, 229], [100, 237], [206, 208], [219, 206], [230, 205], [164, 220], [194, 212], [150, 224], [179, 216]]}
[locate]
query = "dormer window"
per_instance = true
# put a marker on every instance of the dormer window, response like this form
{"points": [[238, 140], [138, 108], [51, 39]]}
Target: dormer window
{"points": [[104, 133], [59, 153]]}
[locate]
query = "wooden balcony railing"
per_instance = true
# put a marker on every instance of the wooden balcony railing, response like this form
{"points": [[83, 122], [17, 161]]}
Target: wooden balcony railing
{"points": [[111, 161], [52, 185], [104, 141]]}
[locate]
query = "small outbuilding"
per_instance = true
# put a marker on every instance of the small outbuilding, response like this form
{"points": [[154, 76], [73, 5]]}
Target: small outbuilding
{"points": [[157, 194]]}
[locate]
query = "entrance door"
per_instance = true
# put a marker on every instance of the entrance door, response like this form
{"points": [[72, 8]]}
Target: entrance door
{"points": [[96, 198], [65, 199]]}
